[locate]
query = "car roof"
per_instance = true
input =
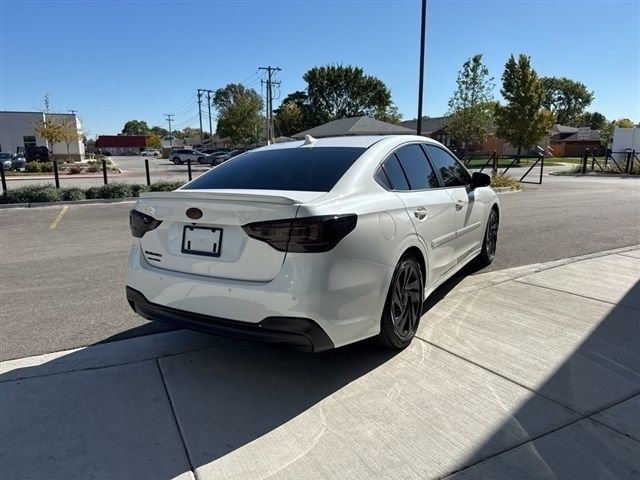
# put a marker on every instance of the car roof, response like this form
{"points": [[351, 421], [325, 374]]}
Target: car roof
{"points": [[362, 141]]}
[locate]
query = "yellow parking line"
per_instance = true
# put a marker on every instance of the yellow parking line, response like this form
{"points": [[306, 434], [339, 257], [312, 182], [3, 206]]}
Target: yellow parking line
{"points": [[59, 217]]}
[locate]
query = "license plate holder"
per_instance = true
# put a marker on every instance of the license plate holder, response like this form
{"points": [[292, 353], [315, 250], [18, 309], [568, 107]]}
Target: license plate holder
{"points": [[205, 241]]}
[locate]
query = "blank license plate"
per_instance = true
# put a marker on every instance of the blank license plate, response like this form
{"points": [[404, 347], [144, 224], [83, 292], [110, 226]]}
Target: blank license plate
{"points": [[202, 241]]}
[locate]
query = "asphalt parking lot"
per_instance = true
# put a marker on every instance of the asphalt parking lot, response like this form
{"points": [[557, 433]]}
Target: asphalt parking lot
{"points": [[527, 369], [62, 285]]}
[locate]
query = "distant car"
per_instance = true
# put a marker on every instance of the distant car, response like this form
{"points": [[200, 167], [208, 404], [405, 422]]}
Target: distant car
{"points": [[185, 154], [209, 151], [5, 159], [233, 153], [18, 162], [150, 153], [129, 153], [39, 153], [212, 155]]}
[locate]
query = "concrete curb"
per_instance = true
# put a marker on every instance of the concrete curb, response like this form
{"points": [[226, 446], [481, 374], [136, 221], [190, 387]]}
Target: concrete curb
{"points": [[501, 190], [489, 279]]}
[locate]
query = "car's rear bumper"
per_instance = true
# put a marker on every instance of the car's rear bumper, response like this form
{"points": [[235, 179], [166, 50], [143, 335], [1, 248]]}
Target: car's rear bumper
{"points": [[297, 333]]}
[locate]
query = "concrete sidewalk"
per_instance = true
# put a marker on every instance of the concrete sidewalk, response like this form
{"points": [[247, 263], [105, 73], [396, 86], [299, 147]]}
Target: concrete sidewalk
{"points": [[532, 372]]}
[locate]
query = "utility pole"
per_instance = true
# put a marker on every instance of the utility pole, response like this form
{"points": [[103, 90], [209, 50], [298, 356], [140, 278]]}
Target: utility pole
{"points": [[209, 92], [200, 114], [270, 71], [421, 85], [170, 119]]}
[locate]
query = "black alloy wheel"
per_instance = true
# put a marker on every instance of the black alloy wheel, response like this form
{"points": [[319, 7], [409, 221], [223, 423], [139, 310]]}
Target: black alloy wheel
{"points": [[403, 308], [490, 241]]}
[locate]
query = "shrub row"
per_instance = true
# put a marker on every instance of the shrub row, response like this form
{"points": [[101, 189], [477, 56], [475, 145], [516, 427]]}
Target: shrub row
{"points": [[48, 193]]}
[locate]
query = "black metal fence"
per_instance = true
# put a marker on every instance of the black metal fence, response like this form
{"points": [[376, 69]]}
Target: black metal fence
{"points": [[501, 164], [625, 164], [105, 175]]}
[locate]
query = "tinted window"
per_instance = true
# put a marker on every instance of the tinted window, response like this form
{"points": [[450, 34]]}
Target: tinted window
{"points": [[416, 167], [452, 172], [383, 180], [314, 169], [395, 174]]}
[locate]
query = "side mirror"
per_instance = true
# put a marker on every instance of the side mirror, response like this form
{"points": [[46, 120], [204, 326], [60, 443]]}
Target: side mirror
{"points": [[480, 180]]}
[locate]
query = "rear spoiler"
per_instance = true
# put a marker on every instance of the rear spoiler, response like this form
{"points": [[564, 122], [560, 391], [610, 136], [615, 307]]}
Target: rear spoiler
{"points": [[218, 196]]}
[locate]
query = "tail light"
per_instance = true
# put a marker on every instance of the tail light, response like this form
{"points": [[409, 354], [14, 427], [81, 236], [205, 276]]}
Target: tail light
{"points": [[141, 223], [300, 235]]}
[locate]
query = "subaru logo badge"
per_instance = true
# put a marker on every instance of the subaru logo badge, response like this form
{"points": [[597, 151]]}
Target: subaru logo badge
{"points": [[194, 213]]}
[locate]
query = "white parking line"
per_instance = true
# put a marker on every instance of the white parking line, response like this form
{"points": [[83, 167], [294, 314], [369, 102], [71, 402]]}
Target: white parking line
{"points": [[59, 217]]}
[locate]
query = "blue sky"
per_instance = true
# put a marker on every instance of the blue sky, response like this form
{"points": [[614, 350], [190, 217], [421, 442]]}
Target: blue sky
{"points": [[117, 60]]}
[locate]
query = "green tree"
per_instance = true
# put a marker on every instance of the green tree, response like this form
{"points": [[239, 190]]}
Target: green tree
{"points": [[239, 115], [522, 121], [153, 141], [135, 127], [289, 119], [69, 133], [337, 91], [193, 132], [471, 108], [625, 123], [159, 131], [566, 98], [51, 131], [594, 120]]}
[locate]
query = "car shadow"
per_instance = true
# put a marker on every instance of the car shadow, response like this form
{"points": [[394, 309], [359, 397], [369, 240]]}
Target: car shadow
{"points": [[62, 421]]}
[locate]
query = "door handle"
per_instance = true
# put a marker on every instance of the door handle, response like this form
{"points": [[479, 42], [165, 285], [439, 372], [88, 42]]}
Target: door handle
{"points": [[420, 213], [459, 205]]}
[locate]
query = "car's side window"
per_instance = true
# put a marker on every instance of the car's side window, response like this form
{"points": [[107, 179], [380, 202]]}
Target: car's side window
{"points": [[416, 167], [393, 171], [451, 170]]}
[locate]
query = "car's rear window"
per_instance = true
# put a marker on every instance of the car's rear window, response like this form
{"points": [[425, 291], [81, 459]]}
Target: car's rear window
{"points": [[311, 169]]}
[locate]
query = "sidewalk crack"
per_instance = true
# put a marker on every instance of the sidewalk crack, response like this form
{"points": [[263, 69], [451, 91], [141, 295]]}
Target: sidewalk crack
{"points": [[175, 419]]}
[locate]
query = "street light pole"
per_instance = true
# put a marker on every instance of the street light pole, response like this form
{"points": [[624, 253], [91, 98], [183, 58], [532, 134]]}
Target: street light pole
{"points": [[421, 84]]}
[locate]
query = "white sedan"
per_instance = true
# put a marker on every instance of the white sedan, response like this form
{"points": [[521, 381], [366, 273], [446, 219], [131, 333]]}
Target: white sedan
{"points": [[312, 244]]}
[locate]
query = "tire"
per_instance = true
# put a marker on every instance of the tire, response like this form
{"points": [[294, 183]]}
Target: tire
{"points": [[490, 240], [403, 308], [177, 161], [200, 160]]}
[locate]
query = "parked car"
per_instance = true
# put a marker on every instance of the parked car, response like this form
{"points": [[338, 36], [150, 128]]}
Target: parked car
{"points": [[150, 153], [39, 153], [313, 244], [224, 157], [18, 162], [6, 160], [183, 155], [211, 151], [210, 157]]}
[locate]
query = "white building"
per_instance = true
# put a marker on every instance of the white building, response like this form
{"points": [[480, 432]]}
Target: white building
{"points": [[18, 132], [626, 139]]}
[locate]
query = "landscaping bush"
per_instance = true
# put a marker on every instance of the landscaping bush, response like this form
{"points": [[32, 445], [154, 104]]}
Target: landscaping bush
{"points": [[33, 167], [504, 181], [94, 166], [137, 189], [165, 186], [72, 193], [32, 193], [113, 190], [46, 167], [75, 169]]}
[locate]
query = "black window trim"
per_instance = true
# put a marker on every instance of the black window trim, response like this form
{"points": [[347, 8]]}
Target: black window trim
{"points": [[424, 151], [440, 179]]}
